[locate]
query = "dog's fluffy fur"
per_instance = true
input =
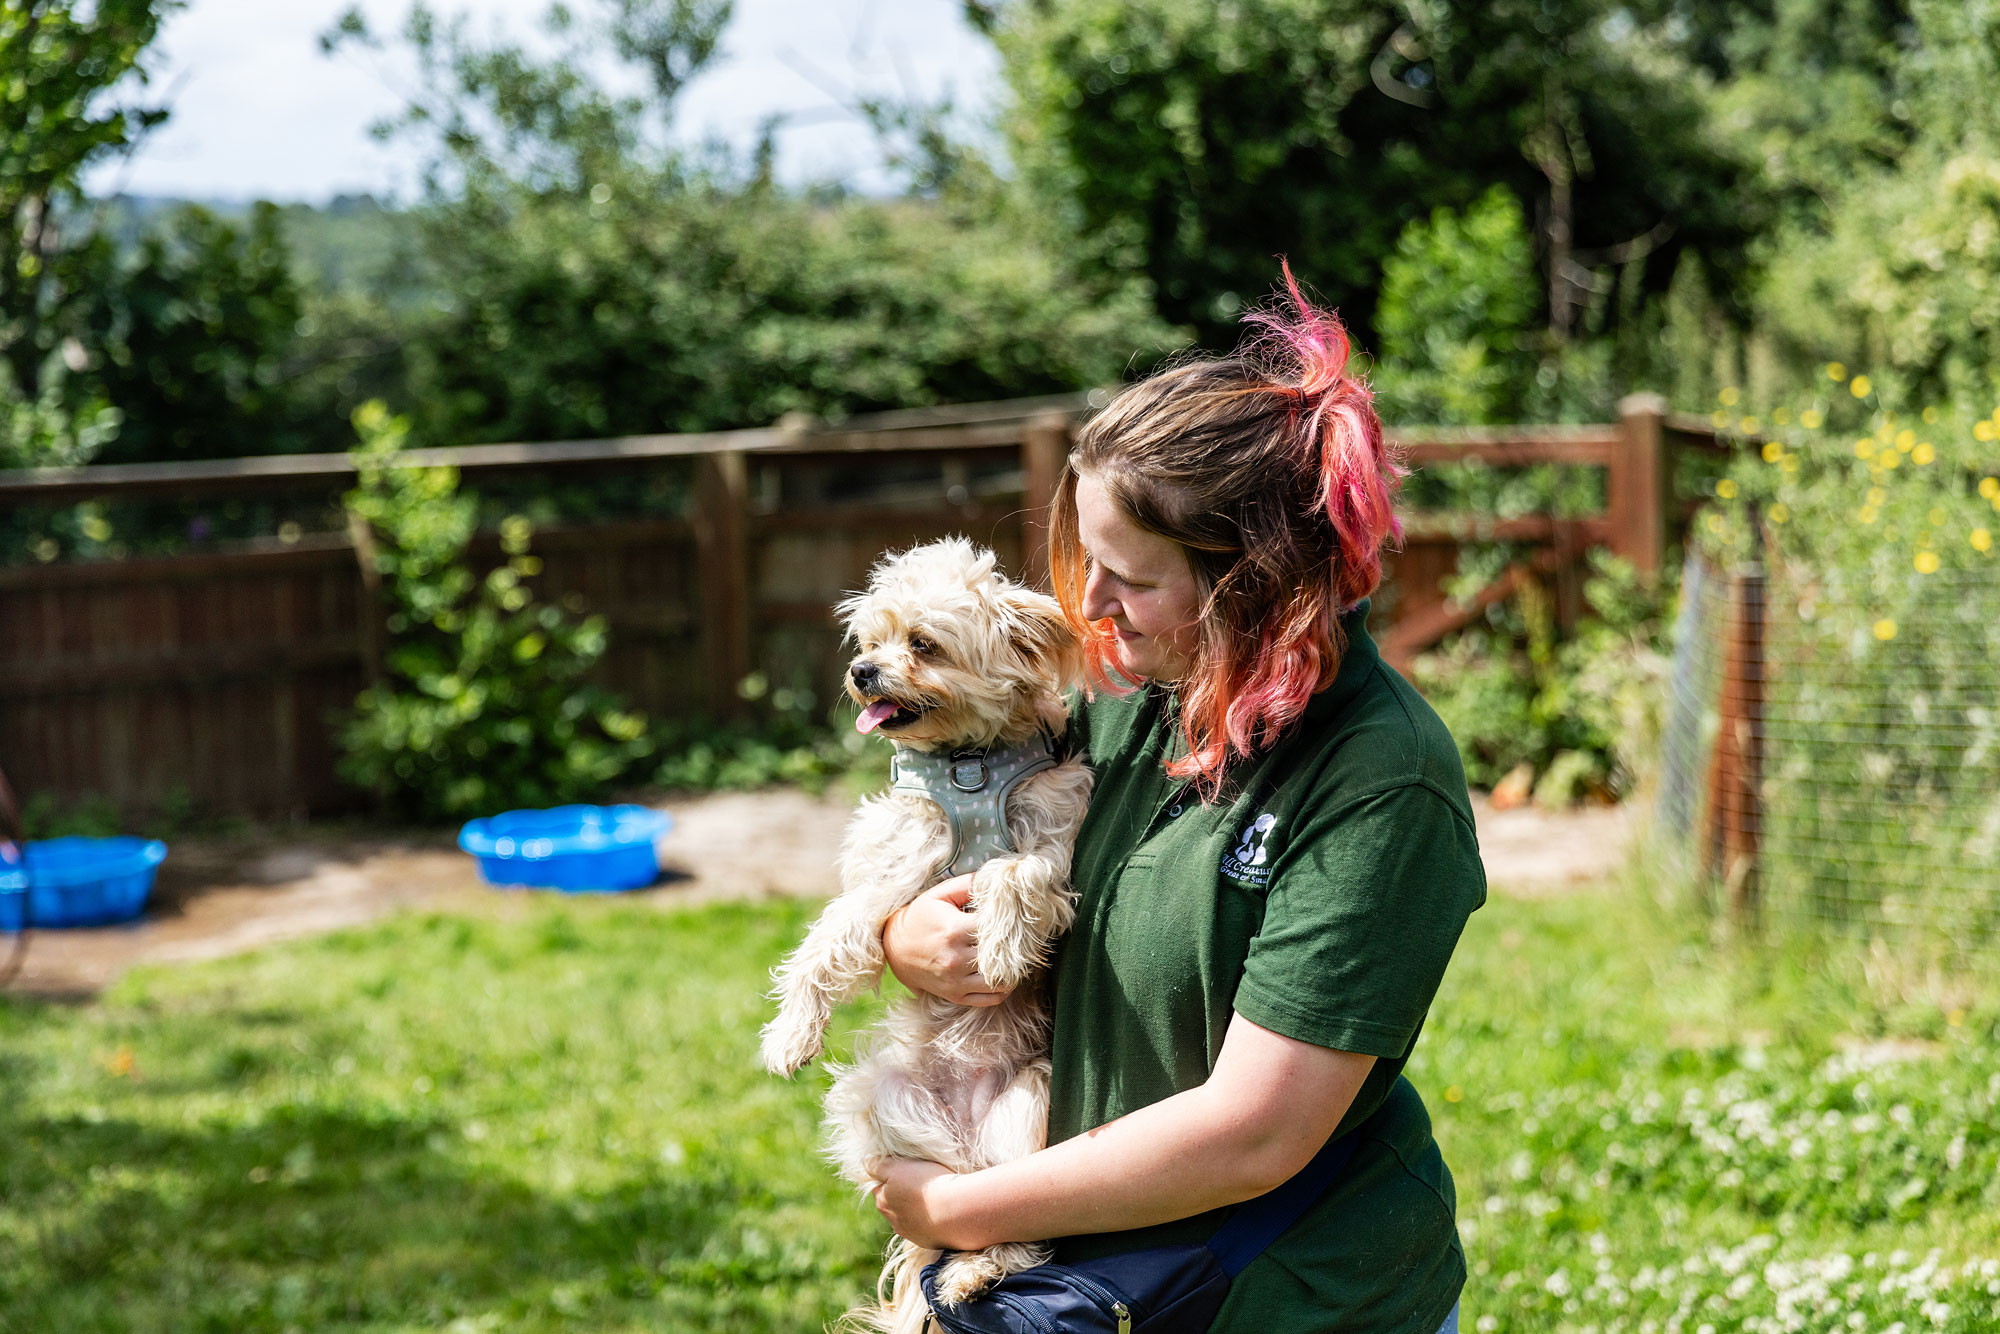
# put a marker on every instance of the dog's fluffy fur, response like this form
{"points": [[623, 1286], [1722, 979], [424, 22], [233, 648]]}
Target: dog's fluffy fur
{"points": [[968, 659]]}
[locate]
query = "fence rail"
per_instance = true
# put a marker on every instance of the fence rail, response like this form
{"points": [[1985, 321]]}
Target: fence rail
{"points": [[218, 676]]}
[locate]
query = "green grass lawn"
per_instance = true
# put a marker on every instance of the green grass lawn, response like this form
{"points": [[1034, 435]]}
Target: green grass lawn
{"points": [[552, 1119]]}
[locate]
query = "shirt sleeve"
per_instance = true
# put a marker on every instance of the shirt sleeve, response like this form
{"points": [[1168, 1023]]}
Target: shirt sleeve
{"points": [[1363, 912]]}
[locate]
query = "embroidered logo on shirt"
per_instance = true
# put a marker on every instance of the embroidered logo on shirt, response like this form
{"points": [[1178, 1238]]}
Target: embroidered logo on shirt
{"points": [[1248, 862]]}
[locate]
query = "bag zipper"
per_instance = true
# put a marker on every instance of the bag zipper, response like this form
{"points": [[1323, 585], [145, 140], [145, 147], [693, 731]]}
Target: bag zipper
{"points": [[1105, 1297]]}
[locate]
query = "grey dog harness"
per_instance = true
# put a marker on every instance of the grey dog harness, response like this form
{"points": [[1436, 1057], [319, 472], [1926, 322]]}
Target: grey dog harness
{"points": [[971, 787]]}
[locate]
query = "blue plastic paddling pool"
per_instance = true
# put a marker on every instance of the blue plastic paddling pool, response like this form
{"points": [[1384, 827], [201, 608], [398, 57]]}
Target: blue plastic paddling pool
{"points": [[571, 848], [79, 882]]}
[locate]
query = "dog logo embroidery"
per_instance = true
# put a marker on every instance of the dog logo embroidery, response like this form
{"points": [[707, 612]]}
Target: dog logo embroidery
{"points": [[1248, 862]]}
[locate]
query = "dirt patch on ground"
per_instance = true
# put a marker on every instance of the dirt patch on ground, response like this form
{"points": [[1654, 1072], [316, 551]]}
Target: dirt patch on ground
{"points": [[1532, 853], [221, 897]]}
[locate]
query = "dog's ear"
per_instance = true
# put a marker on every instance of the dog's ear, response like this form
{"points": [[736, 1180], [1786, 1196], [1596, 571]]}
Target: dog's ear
{"points": [[1036, 627]]}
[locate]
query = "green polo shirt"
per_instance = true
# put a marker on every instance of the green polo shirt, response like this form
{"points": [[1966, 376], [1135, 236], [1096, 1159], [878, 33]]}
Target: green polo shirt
{"points": [[1320, 897]]}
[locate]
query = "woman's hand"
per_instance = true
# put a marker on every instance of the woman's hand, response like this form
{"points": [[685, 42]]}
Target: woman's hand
{"points": [[932, 946], [915, 1197]]}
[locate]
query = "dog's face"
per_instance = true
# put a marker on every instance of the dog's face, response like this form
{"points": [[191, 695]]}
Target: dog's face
{"points": [[952, 653]]}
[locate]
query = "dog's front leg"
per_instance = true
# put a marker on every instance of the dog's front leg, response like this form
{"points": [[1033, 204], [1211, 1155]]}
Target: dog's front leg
{"points": [[1021, 905], [840, 958]]}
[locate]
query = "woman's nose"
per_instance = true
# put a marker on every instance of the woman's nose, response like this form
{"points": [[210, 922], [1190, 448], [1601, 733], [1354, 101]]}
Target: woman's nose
{"points": [[1097, 604]]}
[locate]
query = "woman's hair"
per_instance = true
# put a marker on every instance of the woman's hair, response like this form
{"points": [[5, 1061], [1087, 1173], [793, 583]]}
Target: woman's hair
{"points": [[1268, 468]]}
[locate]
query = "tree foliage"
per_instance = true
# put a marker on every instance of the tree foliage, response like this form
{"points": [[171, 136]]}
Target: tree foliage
{"points": [[591, 276], [66, 69], [1192, 143]]}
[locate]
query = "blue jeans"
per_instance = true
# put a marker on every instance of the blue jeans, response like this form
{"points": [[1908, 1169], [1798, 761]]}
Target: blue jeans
{"points": [[1450, 1325]]}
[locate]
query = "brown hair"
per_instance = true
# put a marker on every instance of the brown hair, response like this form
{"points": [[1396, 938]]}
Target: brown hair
{"points": [[1269, 469]]}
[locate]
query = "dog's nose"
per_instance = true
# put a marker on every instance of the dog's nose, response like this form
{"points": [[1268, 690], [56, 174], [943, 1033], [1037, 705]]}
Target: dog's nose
{"points": [[863, 674]]}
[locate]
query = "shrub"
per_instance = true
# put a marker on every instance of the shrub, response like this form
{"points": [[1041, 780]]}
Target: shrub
{"points": [[484, 703], [1881, 740], [1584, 711]]}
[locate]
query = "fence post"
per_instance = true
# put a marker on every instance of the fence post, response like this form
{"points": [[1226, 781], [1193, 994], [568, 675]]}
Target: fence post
{"points": [[1639, 484], [1044, 451], [722, 545], [1735, 790]]}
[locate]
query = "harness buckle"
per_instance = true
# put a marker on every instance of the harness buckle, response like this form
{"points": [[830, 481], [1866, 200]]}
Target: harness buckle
{"points": [[969, 772]]}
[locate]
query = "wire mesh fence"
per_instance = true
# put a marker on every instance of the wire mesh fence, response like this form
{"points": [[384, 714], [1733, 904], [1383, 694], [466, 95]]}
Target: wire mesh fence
{"points": [[1830, 767]]}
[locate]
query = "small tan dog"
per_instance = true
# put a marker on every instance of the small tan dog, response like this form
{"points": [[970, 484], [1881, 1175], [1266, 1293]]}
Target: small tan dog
{"points": [[964, 670]]}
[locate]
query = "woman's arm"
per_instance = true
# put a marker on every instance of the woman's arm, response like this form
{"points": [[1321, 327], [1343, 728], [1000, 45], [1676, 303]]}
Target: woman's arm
{"points": [[1267, 1107]]}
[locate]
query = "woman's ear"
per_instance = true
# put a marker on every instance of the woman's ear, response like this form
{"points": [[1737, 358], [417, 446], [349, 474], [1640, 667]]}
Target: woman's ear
{"points": [[1036, 627]]}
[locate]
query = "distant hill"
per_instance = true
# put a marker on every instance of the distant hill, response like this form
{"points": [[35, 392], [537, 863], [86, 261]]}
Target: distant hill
{"points": [[349, 242]]}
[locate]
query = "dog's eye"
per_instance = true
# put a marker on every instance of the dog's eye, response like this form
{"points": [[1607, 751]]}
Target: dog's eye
{"points": [[923, 646]]}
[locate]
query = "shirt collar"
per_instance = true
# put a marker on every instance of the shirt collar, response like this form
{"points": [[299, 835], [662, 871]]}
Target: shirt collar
{"points": [[1357, 665]]}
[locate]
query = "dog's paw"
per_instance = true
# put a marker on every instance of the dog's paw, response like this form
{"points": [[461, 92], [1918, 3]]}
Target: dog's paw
{"points": [[964, 1276], [788, 1047], [1004, 964]]}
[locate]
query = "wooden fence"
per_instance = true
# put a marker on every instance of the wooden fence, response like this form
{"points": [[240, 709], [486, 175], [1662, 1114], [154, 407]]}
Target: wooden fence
{"points": [[218, 678]]}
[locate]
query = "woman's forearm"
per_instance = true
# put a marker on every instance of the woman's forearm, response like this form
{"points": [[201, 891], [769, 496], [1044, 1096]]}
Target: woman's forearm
{"points": [[1270, 1105], [1178, 1157]]}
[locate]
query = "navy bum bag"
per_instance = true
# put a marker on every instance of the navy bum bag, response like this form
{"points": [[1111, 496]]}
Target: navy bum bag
{"points": [[1160, 1290]]}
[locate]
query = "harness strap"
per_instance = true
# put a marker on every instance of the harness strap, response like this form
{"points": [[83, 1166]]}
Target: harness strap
{"points": [[971, 787], [1259, 1222]]}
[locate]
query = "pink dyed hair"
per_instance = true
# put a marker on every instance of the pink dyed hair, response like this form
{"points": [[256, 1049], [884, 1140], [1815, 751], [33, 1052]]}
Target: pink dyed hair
{"points": [[1269, 469]]}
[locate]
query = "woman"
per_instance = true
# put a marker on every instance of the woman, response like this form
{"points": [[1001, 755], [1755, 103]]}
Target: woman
{"points": [[1277, 864]]}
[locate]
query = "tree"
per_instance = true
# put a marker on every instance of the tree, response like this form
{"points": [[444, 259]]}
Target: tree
{"points": [[193, 334], [68, 64], [592, 276], [1191, 144]]}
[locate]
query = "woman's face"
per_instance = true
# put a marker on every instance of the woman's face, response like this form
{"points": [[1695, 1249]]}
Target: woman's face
{"points": [[1141, 583]]}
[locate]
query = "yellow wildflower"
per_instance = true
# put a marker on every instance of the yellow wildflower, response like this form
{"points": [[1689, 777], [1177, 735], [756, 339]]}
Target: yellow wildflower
{"points": [[1927, 562], [1454, 1094], [1904, 439], [1885, 629], [1835, 371], [1982, 430], [1749, 425], [1864, 448], [1715, 523], [1790, 463], [1930, 416], [1860, 386], [1923, 453], [1810, 419], [1866, 514], [1719, 420], [1982, 540], [1773, 451], [1726, 489], [1778, 513], [1891, 460], [1876, 495], [1728, 396], [1989, 487]]}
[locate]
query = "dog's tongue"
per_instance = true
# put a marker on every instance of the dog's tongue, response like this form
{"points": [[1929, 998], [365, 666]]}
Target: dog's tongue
{"points": [[874, 716]]}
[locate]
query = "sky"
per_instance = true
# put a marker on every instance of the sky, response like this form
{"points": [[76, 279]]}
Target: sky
{"points": [[259, 113]]}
